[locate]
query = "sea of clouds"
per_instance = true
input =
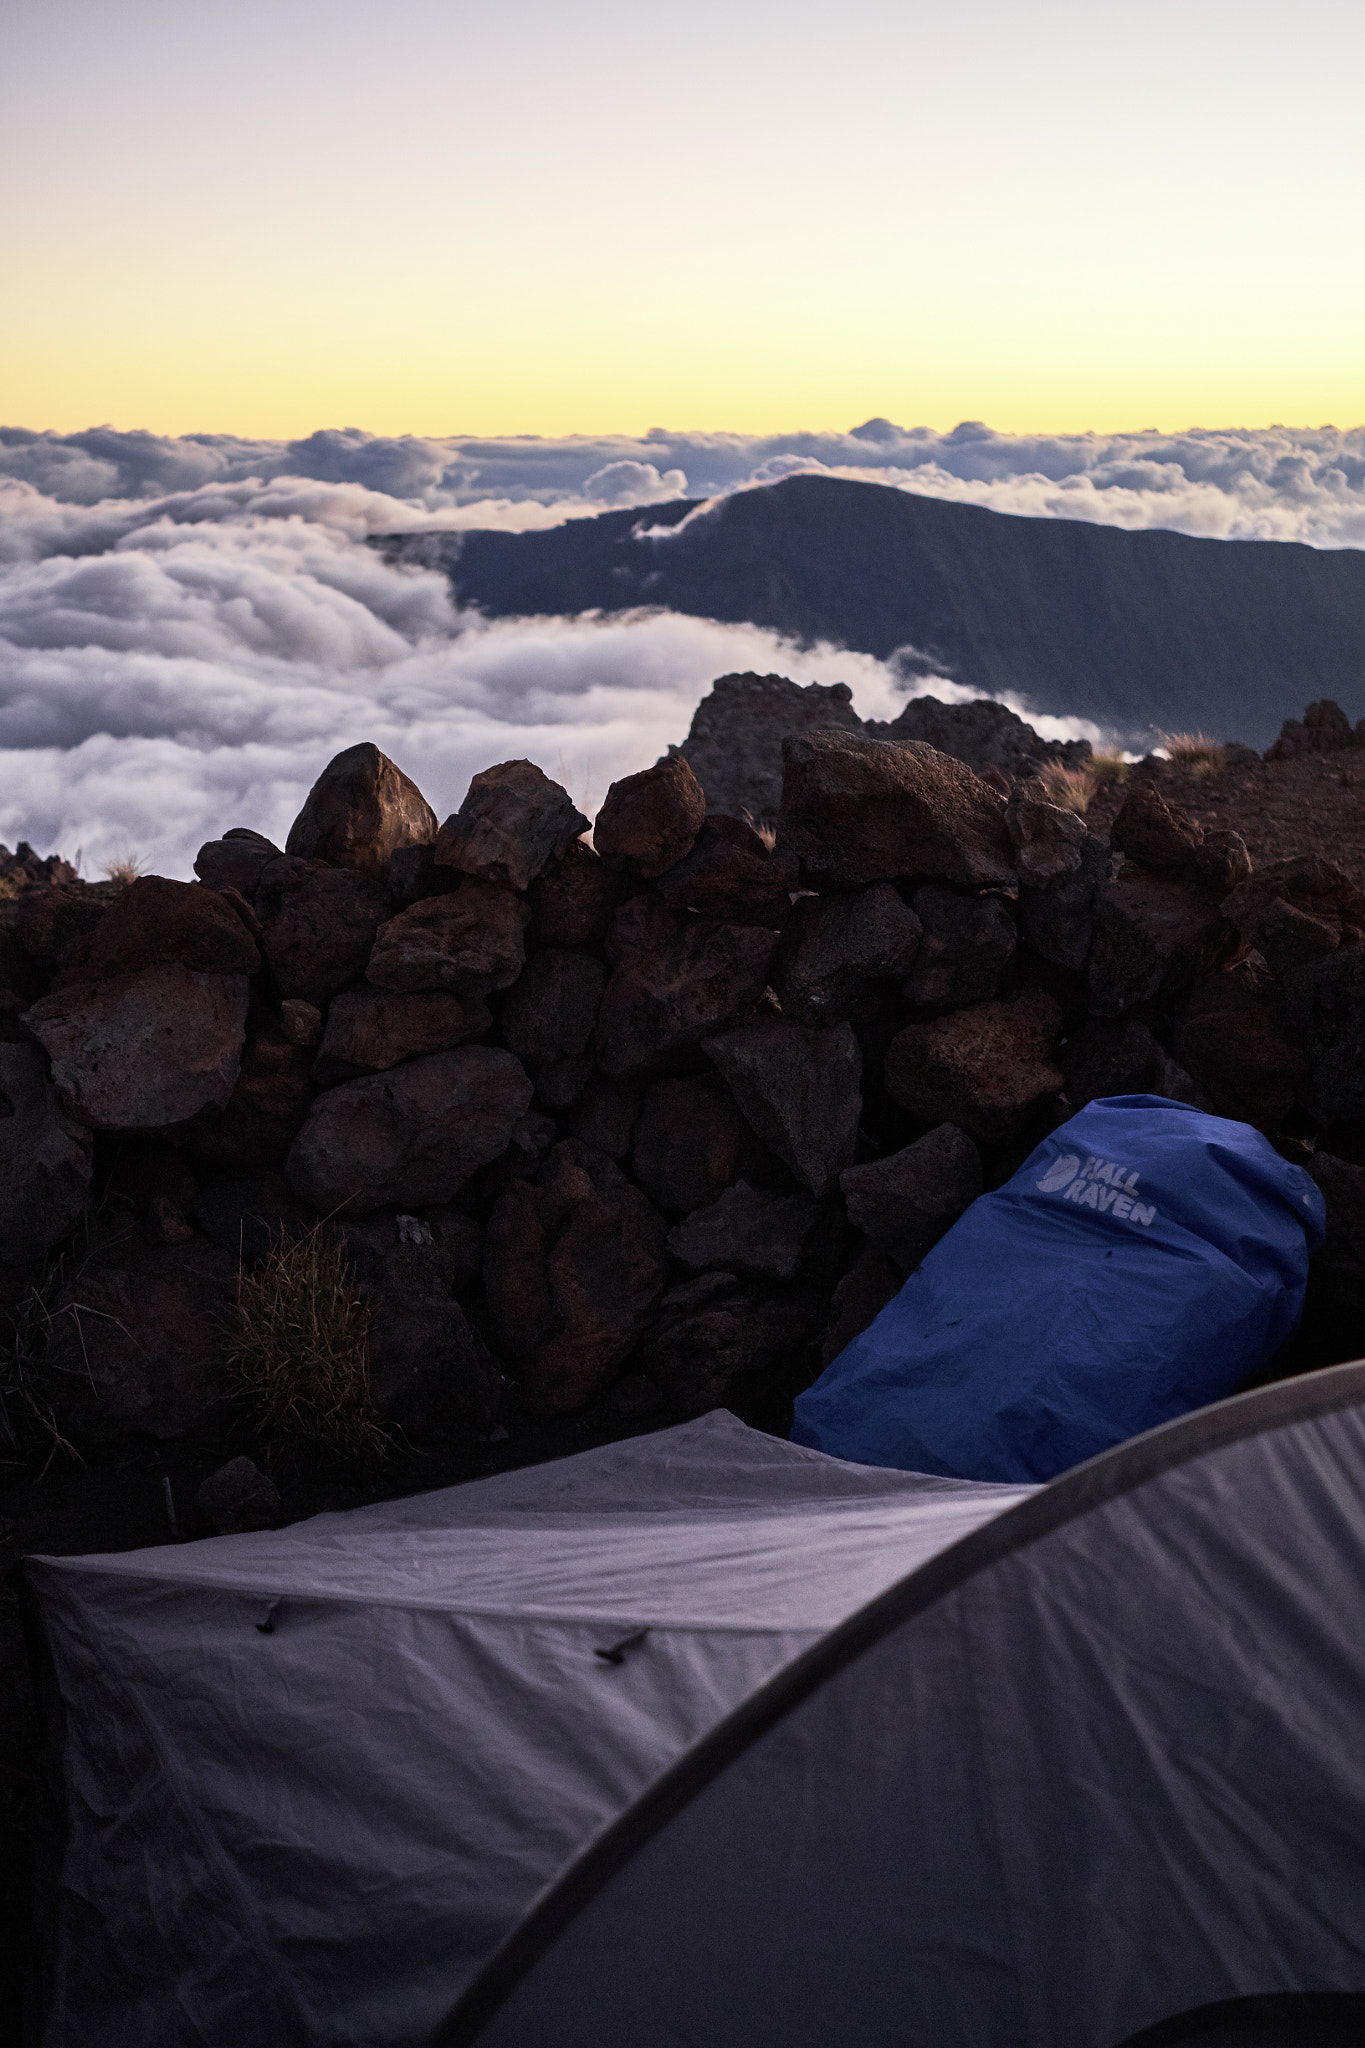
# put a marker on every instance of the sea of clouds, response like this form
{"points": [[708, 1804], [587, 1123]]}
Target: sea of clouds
{"points": [[190, 628]]}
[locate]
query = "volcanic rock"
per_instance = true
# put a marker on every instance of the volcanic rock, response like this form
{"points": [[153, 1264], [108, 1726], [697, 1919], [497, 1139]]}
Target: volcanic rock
{"points": [[49, 923], [734, 745], [871, 1282], [689, 1143], [1118, 1056], [860, 810], [731, 875], [249, 1213], [1058, 922], [236, 861], [984, 1068], [603, 1116], [300, 1022], [410, 1136], [798, 1088], [716, 1340], [319, 926], [1233, 1039], [429, 1374], [550, 1013], [1324, 1012], [1221, 863], [371, 1029], [650, 820], [1297, 911], [967, 943], [1046, 839], [45, 1160], [511, 825], [360, 809], [986, 735], [676, 979], [573, 902], [144, 1050], [266, 1108], [1323, 729], [236, 1498], [834, 948], [746, 1230], [1155, 833], [904, 1203], [1153, 934], [155, 923], [471, 942]]}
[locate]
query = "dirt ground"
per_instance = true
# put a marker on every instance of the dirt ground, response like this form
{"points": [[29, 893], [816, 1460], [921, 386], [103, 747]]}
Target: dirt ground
{"points": [[1314, 804]]}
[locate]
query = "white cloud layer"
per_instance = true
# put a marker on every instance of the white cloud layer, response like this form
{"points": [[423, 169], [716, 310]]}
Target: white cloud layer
{"points": [[190, 628]]}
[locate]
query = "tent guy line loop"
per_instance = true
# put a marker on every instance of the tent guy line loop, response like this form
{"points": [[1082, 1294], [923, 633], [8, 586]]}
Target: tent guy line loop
{"points": [[615, 1653]]}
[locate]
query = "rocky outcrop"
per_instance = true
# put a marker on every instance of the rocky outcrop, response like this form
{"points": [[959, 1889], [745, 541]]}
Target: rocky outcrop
{"points": [[734, 745], [360, 810], [1323, 729]]}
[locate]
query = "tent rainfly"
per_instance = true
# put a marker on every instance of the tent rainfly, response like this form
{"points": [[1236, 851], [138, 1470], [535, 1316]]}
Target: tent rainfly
{"points": [[710, 1741]]}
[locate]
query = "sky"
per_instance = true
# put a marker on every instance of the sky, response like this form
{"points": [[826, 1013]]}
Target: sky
{"points": [[465, 220]]}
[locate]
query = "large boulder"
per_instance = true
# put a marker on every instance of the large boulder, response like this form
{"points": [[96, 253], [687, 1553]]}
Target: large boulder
{"points": [[1155, 833], [273, 1095], [236, 861], [1323, 729], [690, 1143], [45, 1160], [549, 1015], [746, 1230], [156, 923], [718, 1340], [471, 942], [836, 948], [573, 902], [734, 744], [1153, 934], [511, 825], [319, 924], [1058, 921], [410, 1136], [731, 875], [1233, 1040], [50, 923], [371, 1029], [1113, 1056], [990, 738], [144, 1050], [858, 810], [572, 1270], [1297, 911], [985, 1069], [905, 1202], [650, 820], [798, 1087], [967, 943], [675, 979], [1046, 839], [359, 811]]}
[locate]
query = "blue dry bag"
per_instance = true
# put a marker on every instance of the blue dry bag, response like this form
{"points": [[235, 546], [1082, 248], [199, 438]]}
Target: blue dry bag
{"points": [[1143, 1261]]}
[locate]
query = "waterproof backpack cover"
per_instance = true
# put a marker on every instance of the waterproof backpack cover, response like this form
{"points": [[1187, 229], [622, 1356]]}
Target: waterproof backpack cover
{"points": [[1143, 1261]]}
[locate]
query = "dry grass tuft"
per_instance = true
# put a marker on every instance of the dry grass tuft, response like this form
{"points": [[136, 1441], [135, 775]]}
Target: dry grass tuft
{"points": [[300, 1349], [1073, 789], [764, 827], [1194, 753], [125, 870]]}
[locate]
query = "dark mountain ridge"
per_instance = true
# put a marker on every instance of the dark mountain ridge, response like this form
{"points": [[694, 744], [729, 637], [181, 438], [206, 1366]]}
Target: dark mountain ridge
{"points": [[1139, 631]]}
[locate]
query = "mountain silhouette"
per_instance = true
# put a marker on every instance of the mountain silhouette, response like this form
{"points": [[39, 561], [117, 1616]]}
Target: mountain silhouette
{"points": [[1139, 631]]}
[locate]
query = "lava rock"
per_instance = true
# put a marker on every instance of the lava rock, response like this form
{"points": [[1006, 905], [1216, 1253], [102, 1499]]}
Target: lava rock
{"points": [[157, 923], [858, 810], [319, 926], [903, 1204], [985, 1069], [734, 745], [49, 923], [410, 1136], [266, 1108], [574, 901], [798, 1088], [717, 1340], [730, 875], [1324, 1012], [603, 1116], [746, 1230], [835, 948], [1046, 839], [359, 811], [991, 739], [1058, 922], [650, 820], [236, 861], [689, 1143], [676, 978], [372, 1029], [1117, 1056], [1153, 935], [1155, 833], [301, 1023], [511, 825], [430, 1376], [549, 1015], [1297, 911], [1233, 1039], [1323, 729], [45, 1160], [146, 1050], [871, 1282], [248, 1214], [1221, 863], [471, 943], [236, 1498], [967, 943]]}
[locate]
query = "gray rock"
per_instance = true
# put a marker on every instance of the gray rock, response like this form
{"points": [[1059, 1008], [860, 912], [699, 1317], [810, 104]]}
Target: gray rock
{"points": [[835, 948], [798, 1088], [410, 1136], [1046, 839], [1153, 934], [984, 1069], [511, 825], [968, 942], [716, 1340], [905, 1203], [650, 820], [45, 1160], [550, 1013], [319, 926], [858, 810], [734, 745], [986, 735], [359, 811], [689, 1143], [747, 1230], [372, 1029], [1058, 922], [470, 942], [236, 1498], [676, 978], [144, 1050], [236, 861], [301, 1022]]}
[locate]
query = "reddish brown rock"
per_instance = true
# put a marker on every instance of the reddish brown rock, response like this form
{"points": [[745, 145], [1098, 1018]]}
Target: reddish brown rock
{"points": [[676, 979], [49, 923], [717, 1341], [1221, 863], [236, 861], [1155, 833], [967, 943], [155, 923], [574, 901], [146, 1050], [319, 926], [1113, 1056], [410, 1136], [1153, 934], [858, 810], [730, 875], [430, 1376], [1058, 922], [1323, 729], [371, 1029], [689, 1143], [1046, 839], [650, 820], [513, 823], [266, 1108], [603, 1116], [45, 1160], [1297, 911], [359, 811], [1233, 1040], [1323, 1006], [984, 1069], [904, 1203], [300, 1022], [549, 1015], [835, 949], [799, 1090], [471, 943]]}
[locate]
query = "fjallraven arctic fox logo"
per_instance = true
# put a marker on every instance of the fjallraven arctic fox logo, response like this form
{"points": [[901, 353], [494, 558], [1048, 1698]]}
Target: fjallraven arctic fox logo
{"points": [[1099, 1184]]}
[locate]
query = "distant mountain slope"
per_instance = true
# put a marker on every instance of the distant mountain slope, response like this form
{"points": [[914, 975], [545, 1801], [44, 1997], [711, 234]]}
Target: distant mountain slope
{"points": [[1133, 630]]}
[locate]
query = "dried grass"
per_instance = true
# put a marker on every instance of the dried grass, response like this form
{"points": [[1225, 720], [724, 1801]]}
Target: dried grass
{"points": [[127, 869], [299, 1350], [1194, 752], [764, 827], [1074, 789], [26, 1414]]}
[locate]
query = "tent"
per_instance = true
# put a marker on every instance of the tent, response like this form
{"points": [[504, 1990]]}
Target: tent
{"points": [[707, 1740]]}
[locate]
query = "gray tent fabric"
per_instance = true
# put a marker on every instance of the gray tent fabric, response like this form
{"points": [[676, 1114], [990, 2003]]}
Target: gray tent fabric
{"points": [[314, 1777], [1101, 1764]]}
